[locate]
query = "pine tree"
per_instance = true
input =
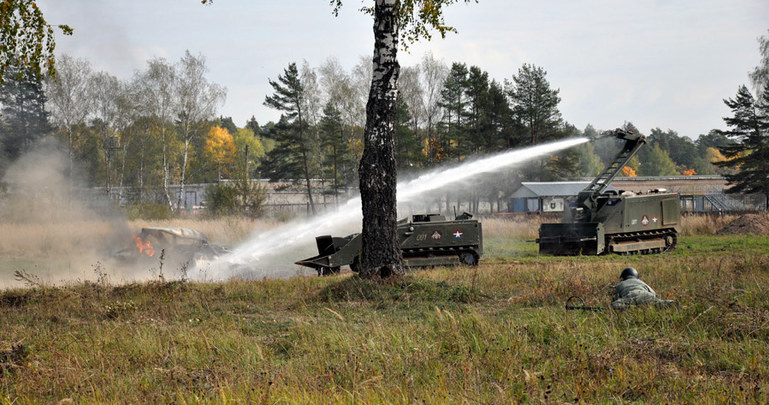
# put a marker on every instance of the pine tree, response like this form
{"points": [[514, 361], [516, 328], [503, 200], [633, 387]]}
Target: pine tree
{"points": [[407, 147], [285, 160], [749, 127], [535, 104], [475, 131], [566, 164], [499, 133], [23, 110], [453, 102], [336, 145], [289, 97], [253, 125]]}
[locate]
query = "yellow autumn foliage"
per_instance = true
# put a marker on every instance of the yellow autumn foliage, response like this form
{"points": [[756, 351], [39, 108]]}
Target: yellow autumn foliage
{"points": [[219, 147], [628, 171]]}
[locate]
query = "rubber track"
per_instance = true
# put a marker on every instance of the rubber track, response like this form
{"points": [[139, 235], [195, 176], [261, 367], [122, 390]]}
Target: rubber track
{"points": [[663, 233]]}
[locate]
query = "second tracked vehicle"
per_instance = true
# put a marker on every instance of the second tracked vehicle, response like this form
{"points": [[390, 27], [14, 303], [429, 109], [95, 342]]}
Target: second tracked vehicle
{"points": [[425, 240], [601, 221]]}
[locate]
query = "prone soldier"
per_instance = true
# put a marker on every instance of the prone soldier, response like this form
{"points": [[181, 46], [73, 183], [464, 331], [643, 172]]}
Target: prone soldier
{"points": [[632, 291]]}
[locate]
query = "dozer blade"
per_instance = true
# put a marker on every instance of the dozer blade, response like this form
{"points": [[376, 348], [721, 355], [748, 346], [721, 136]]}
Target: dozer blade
{"points": [[571, 239], [333, 253]]}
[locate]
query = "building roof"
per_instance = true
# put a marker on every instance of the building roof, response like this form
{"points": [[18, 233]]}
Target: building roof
{"points": [[551, 189]]}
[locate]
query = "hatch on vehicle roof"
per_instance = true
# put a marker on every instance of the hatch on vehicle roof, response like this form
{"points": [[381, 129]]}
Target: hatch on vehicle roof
{"points": [[428, 218]]}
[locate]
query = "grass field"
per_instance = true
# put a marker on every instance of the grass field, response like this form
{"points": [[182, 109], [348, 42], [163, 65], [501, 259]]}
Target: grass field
{"points": [[497, 333]]}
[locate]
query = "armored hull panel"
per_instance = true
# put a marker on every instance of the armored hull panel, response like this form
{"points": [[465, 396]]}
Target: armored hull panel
{"points": [[638, 213]]}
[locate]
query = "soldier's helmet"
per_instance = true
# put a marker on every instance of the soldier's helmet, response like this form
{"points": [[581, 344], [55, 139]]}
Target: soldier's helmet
{"points": [[627, 273]]}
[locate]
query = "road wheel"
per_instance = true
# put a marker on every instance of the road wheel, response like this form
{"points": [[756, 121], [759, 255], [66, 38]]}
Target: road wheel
{"points": [[469, 258]]}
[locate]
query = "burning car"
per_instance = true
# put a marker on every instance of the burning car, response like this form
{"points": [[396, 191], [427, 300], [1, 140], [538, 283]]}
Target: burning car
{"points": [[178, 245]]}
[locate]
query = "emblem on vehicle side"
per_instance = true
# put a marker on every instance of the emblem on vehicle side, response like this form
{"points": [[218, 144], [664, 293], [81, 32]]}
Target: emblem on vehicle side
{"points": [[437, 235], [644, 220]]}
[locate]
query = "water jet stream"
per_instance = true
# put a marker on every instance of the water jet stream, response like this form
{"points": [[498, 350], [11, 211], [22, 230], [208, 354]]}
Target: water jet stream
{"points": [[271, 254]]}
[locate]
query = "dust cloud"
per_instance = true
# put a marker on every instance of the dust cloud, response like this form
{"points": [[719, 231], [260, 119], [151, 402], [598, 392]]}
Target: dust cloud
{"points": [[52, 228]]}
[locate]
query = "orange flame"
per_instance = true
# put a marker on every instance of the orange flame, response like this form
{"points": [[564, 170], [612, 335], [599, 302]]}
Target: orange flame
{"points": [[144, 247]]}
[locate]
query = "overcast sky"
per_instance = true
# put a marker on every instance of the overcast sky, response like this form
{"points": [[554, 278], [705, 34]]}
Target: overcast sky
{"points": [[656, 63]]}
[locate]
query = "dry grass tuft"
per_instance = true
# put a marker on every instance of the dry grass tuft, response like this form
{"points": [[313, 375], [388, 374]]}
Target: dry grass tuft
{"points": [[704, 224], [517, 228], [64, 238]]}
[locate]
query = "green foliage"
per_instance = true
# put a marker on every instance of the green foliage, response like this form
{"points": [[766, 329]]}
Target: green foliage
{"points": [[228, 124], [476, 115], [287, 159], [151, 211], [535, 104], [590, 164], [657, 163], [241, 197], [415, 17], [475, 119], [221, 200], [454, 102], [252, 196], [23, 111], [336, 147], [499, 118], [26, 39], [682, 151], [292, 154], [253, 126], [289, 94], [408, 150], [713, 139], [749, 128], [247, 143]]}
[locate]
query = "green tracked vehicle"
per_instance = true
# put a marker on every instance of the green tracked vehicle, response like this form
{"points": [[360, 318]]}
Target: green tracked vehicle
{"points": [[602, 221], [425, 239]]}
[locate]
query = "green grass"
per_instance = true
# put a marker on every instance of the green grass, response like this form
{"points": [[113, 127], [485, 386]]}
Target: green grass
{"points": [[493, 334]]}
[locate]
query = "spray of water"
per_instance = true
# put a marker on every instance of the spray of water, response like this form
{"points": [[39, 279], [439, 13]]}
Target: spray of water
{"points": [[271, 254]]}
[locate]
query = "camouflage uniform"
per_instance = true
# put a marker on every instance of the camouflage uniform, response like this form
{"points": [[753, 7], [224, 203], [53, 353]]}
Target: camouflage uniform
{"points": [[633, 291]]}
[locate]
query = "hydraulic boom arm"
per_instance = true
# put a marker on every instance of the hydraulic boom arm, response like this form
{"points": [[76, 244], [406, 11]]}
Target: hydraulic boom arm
{"points": [[587, 197]]}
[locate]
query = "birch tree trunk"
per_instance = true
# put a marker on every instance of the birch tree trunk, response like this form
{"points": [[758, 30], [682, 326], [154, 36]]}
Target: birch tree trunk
{"points": [[166, 192], [381, 255], [183, 180]]}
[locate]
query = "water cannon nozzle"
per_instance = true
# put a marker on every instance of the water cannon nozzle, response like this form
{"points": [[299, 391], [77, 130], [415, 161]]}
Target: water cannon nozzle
{"points": [[619, 133]]}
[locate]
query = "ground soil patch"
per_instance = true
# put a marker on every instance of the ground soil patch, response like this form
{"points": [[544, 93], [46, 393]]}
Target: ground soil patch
{"points": [[747, 224]]}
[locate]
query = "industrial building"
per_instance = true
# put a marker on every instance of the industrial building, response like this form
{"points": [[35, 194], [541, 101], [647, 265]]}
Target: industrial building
{"points": [[699, 194]]}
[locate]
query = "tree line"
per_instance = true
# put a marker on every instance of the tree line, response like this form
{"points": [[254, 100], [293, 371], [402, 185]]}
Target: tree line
{"points": [[160, 127]]}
